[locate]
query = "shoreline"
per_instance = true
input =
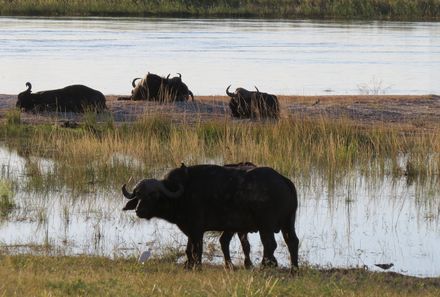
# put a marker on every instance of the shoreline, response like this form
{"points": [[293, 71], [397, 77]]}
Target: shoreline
{"points": [[405, 10], [407, 111]]}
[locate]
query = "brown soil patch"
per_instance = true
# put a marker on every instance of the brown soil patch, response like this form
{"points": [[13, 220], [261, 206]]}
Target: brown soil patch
{"points": [[409, 111]]}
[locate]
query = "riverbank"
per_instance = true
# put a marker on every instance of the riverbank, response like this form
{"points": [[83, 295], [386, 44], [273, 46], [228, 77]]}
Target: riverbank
{"points": [[418, 112], [27, 275], [337, 9]]}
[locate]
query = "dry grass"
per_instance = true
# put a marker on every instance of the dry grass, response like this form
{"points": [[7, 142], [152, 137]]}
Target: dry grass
{"points": [[94, 276], [102, 154]]}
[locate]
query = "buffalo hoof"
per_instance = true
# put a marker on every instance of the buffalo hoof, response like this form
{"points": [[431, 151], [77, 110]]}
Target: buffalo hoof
{"points": [[188, 265], [294, 271], [248, 264], [192, 266], [269, 262], [229, 266]]}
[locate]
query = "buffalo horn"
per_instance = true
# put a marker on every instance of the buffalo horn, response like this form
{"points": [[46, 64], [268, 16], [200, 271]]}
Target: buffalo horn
{"points": [[257, 89], [29, 86], [133, 82], [229, 93], [169, 193], [127, 194]]}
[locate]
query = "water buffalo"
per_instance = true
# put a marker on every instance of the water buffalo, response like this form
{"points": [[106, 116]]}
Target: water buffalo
{"points": [[156, 88], [251, 104], [74, 98], [178, 89], [218, 198]]}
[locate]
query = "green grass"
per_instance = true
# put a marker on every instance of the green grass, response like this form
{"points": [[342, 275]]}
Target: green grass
{"points": [[6, 202], [339, 9], [25, 275]]}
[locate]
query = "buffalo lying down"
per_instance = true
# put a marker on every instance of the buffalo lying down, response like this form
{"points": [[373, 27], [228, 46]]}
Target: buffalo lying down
{"points": [[216, 198], [75, 98], [251, 104], [164, 89]]}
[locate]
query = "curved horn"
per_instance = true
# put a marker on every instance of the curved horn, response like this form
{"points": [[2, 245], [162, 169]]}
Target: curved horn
{"points": [[229, 93], [169, 193], [168, 76], [180, 75], [133, 82], [127, 194], [29, 86], [257, 89]]}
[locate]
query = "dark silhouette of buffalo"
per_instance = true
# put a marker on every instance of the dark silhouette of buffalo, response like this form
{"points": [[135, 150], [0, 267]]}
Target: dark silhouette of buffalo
{"points": [[251, 104], [226, 237], [74, 98], [217, 198], [157, 88]]}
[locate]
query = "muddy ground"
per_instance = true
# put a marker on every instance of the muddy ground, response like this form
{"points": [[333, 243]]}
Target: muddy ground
{"points": [[421, 112]]}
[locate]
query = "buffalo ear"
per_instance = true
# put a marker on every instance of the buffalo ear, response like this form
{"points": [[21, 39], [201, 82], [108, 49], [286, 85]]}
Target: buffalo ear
{"points": [[132, 204]]}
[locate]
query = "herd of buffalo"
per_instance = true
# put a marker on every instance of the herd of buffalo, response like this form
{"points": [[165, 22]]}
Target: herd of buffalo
{"points": [[233, 198], [80, 98]]}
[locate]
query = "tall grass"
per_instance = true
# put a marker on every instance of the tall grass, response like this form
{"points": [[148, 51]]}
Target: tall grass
{"points": [[6, 201], [296, 147], [343, 9]]}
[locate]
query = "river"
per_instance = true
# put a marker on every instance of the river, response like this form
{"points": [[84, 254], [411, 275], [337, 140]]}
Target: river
{"points": [[283, 57]]}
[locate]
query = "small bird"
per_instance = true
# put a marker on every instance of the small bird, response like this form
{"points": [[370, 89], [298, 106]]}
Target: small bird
{"points": [[385, 266], [144, 256]]}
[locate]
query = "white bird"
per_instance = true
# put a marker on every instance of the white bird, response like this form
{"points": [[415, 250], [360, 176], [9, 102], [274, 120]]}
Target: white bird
{"points": [[144, 256]]}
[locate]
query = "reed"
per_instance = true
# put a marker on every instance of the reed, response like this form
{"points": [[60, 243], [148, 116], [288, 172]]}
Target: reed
{"points": [[25, 275], [319, 9], [6, 202], [107, 156]]}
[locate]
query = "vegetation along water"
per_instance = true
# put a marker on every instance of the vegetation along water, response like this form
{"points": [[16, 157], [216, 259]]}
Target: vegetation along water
{"points": [[341, 9]]}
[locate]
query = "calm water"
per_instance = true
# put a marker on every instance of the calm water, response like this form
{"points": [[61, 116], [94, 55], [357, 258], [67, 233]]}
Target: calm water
{"points": [[359, 222], [284, 57]]}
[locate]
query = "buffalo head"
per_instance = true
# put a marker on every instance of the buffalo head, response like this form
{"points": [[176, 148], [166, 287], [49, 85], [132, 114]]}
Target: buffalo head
{"points": [[151, 198]]}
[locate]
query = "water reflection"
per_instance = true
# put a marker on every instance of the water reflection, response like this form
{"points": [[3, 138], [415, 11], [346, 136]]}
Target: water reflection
{"points": [[284, 57], [361, 221]]}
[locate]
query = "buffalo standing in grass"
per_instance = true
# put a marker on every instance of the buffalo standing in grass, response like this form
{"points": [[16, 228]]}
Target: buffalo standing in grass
{"points": [[251, 104], [156, 88], [75, 98], [217, 198]]}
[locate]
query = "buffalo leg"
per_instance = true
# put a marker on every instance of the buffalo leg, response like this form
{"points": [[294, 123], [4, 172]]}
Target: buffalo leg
{"points": [[269, 244], [246, 247], [198, 250], [189, 264], [194, 250], [292, 242], [225, 240]]}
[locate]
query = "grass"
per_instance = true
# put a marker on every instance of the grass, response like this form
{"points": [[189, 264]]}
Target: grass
{"points": [[6, 202], [108, 155], [340, 9], [26, 275]]}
